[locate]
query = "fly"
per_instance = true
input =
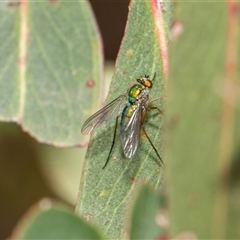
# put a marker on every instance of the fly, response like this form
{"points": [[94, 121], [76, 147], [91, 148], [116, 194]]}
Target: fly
{"points": [[131, 107]]}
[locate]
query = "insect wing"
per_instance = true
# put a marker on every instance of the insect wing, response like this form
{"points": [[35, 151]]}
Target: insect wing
{"points": [[104, 115], [130, 130]]}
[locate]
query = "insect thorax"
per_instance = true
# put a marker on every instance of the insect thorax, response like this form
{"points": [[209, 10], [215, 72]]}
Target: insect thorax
{"points": [[134, 93]]}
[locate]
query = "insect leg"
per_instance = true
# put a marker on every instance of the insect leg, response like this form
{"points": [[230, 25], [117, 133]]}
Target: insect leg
{"points": [[152, 145], [113, 142], [152, 108], [156, 99]]}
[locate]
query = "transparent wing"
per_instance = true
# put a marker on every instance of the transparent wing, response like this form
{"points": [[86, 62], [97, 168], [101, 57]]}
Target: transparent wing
{"points": [[130, 130], [104, 115]]}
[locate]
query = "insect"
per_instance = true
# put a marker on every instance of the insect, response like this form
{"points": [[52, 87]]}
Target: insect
{"points": [[131, 108]]}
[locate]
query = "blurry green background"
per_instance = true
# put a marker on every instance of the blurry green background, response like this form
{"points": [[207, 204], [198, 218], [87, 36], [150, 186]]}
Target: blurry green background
{"points": [[29, 170]]}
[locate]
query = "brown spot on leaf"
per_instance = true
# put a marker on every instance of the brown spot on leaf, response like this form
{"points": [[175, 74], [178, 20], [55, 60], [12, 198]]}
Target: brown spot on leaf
{"points": [[162, 237], [22, 60], [53, 1], [106, 223], [174, 121], [123, 73], [13, 4], [90, 83], [132, 179], [234, 8]]}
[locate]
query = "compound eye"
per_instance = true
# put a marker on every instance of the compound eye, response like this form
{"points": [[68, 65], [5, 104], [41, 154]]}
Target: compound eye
{"points": [[145, 81], [148, 83]]}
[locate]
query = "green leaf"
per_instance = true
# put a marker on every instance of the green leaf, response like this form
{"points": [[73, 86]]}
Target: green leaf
{"points": [[204, 123], [146, 207], [105, 193], [50, 71], [47, 221]]}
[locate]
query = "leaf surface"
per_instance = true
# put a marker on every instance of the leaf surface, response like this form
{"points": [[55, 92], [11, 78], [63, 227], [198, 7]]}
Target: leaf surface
{"points": [[105, 194]]}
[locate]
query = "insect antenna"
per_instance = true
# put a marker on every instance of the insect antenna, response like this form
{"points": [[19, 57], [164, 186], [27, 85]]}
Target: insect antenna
{"points": [[147, 76], [154, 76]]}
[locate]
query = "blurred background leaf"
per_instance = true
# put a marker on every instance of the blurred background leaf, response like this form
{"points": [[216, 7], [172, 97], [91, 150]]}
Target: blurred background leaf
{"points": [[51, 74], [202, 148], [146, 210], [30, 171], [51, 221]]}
